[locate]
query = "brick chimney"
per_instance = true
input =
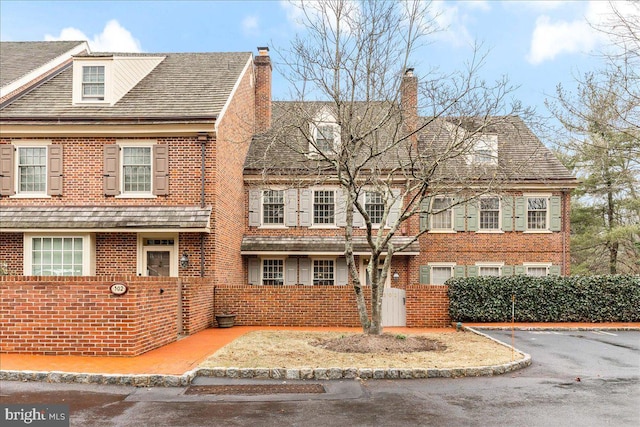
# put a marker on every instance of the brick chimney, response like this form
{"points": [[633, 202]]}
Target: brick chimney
{"points": [[263, 90], [409, 101]]}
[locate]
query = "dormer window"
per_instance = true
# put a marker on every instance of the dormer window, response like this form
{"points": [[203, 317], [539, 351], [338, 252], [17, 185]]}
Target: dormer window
{"points": [[485, 150], [325, 138], [93, 83]]}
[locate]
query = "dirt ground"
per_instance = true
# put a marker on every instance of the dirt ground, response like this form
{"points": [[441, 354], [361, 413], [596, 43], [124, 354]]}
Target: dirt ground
{"points": [[292, 349]]}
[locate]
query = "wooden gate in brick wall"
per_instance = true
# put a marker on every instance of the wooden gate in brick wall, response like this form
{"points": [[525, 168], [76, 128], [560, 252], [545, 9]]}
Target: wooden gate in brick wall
{"points": [[394, 309]]}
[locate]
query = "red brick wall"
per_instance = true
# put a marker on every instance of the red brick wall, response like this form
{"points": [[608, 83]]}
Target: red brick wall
{"points": [[427, 306], [197, 305], [235, 131], [80, 316]]}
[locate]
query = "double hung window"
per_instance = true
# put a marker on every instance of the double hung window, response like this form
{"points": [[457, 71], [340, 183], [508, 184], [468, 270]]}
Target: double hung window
{"points": [[324, 207], [440, 274], [32, 170], [537, 213], [273, 207], [136, 169], [441, 218], [374, 205], [489, 213], [93, 82]]}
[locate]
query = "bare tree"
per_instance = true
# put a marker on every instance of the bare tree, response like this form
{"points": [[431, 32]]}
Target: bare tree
{"points": [[354, 122]]}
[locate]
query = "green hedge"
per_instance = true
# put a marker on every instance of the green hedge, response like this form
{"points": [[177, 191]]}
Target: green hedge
{"points": [[545, 299]]}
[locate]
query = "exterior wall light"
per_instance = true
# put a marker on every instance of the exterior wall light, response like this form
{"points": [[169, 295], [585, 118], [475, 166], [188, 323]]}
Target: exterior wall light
{"points": [[184, 260], [396, 276]]}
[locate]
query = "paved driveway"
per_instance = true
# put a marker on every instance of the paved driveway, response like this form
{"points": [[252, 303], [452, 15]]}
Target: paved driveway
{"points": [[579, 378]]}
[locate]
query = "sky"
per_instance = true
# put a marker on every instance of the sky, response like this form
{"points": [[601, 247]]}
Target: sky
{"points": [[536, 44]]}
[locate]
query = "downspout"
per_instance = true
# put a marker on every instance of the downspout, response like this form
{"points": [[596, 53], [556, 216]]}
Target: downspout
{"points": [[203, 138], [563, 211]]}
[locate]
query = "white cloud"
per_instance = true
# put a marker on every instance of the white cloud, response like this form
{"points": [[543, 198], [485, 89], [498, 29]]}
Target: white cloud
{"points": [[450, 22], [113, 38], [250, 25], [551, 39]]}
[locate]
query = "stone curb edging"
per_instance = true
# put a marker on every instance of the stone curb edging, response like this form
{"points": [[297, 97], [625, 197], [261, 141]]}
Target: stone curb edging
{"points": [[159, 380]]}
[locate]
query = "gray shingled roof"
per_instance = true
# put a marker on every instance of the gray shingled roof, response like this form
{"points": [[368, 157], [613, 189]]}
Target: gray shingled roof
{"points": [[521, 155], [21, 218], [315, 244], [17, 59], [183, 85]]}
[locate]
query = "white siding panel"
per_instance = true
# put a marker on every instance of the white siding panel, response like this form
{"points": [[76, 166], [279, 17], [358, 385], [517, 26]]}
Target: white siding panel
{"points": [[128, 72]]}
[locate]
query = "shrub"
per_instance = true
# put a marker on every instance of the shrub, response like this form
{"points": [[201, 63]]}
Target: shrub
{"points": [[545, 299]]}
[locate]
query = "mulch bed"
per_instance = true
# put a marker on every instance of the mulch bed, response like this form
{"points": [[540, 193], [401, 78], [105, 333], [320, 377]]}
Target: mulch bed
{"points": [[385, 343]]}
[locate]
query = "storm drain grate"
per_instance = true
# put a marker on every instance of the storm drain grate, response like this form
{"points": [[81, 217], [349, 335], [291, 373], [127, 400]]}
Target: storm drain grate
{"points": [[249, 389]]}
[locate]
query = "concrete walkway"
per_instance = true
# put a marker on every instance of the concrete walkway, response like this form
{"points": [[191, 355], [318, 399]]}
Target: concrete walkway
{"points": [[186, 354]]}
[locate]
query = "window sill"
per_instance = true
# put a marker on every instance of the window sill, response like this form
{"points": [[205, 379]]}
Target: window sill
{"points": [[324, 227], [442, 231], [537, 232], [272, 227], [490, 231], [136, 196], [30, 196]]}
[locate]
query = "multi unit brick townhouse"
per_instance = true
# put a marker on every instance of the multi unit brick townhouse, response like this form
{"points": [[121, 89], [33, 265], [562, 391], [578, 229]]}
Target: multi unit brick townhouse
{"points": [[144, 170]]}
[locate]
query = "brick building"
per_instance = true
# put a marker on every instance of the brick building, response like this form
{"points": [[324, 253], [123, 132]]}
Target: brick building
{"points": [[148, 170]]}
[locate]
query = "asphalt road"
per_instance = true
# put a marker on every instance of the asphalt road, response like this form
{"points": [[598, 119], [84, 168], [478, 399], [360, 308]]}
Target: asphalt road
{"points": [[578, 378]]}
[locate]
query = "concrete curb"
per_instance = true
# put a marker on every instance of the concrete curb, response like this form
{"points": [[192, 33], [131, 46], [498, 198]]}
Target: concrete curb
{"points": [[332, 373]]}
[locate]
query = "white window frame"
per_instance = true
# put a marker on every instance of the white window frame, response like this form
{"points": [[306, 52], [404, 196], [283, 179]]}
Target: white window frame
{"points": [[16, 164], [269, 258], [382, 195], [546, 196], [143, 249], [122, 144], [313, 275], [486, 144], [284, 209], [497, 265], [451, 229], [432, 265], [324, 118], [78, 73], [490, 230], [527, 265], [88, 250], [335, 207]]}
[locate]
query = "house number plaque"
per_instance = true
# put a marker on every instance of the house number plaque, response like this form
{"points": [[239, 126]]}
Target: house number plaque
{"points": [[118, 289]]}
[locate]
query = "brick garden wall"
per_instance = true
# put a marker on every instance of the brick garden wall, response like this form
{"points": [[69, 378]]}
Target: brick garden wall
{"points": [[80, 316], [427, 306]]}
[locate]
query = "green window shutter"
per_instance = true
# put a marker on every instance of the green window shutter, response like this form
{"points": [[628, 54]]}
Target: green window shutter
{"points": [[554, 270], [291, 271], [458, 216], [507, 213], [507, 270], [472, 271], [425, 205], [458, 271], [555, 209], [396, 207], [519, 269], [424, 275], [521, 214], [472, 215]]}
